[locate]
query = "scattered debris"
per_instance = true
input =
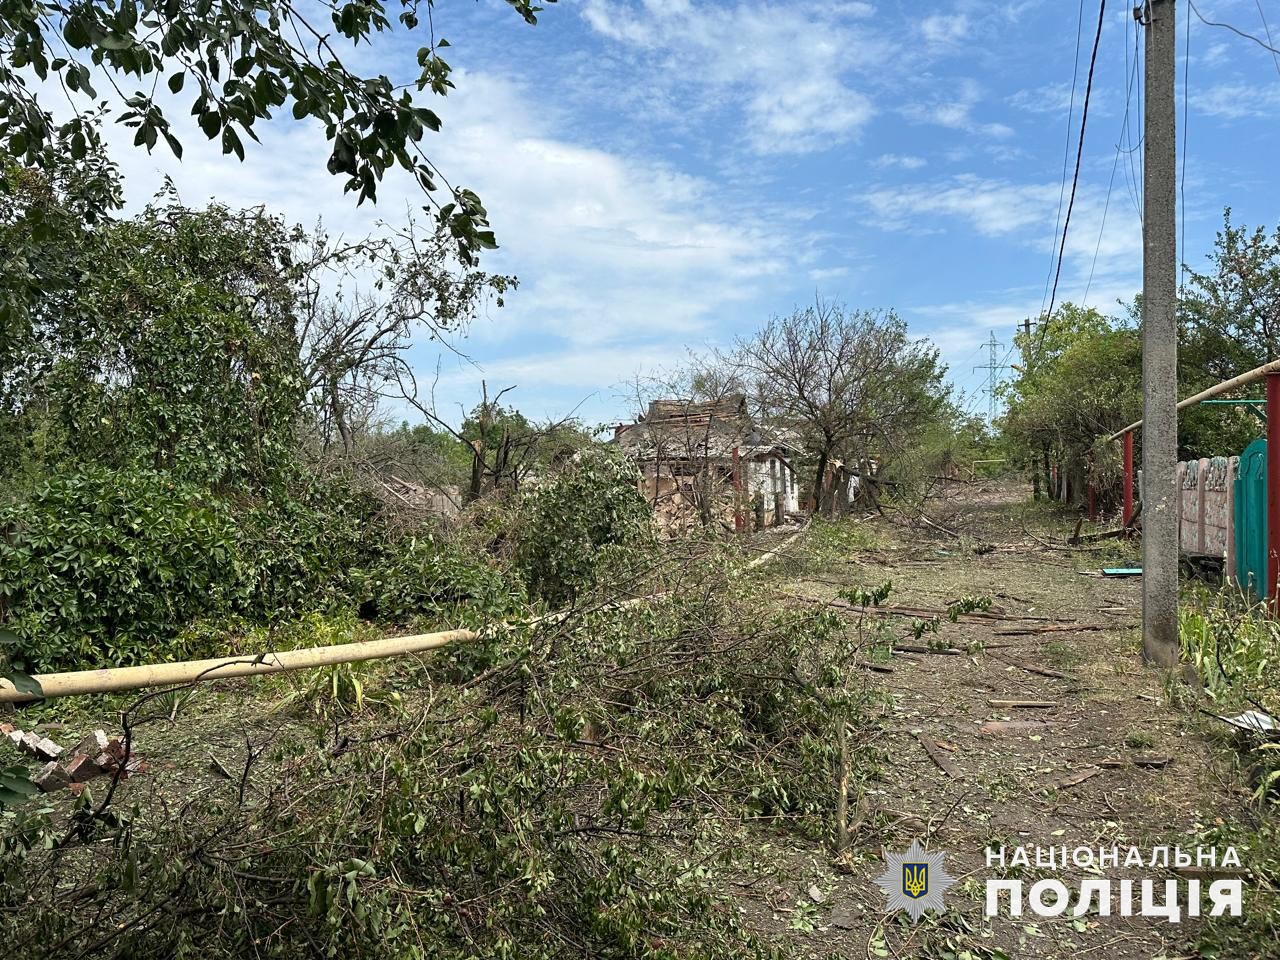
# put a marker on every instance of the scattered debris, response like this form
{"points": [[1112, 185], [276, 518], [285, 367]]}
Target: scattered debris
{"points": [[95, 755], [1122, 571], [32, 743], [938, 757], [1055, 628], [1255, 721], [1011, 726], [916, 648], [1151, 761], [1032, 668], [1074, 779], [1023, 704]]}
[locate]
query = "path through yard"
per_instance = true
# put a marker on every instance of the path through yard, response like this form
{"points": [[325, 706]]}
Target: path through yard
{"points": [[1109, 762]]}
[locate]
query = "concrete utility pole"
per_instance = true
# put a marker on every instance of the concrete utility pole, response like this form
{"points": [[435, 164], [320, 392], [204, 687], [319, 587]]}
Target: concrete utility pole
{"points": [[1159, 341]]}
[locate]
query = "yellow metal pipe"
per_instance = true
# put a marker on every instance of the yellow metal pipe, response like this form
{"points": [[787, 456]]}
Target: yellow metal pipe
{"points": [[114, 679]]}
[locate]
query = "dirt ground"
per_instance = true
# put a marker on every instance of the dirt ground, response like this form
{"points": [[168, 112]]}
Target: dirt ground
{"points": [[1060, 775]]}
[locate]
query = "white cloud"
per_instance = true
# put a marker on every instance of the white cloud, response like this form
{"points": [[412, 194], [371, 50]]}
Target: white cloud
{"points": [[956, 112], [942, 29], [788, 68], [902, 161], [1235, 101], [1050, 98], [1022, 212], [828, 273], [622, 258]]}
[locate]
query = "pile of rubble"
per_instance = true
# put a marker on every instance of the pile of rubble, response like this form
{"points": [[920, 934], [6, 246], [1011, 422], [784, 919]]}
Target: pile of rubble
{"points": [[95, 756]]}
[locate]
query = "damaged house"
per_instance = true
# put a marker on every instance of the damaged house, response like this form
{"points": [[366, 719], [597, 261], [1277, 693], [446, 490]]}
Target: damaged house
{"points": [[708, 463]]}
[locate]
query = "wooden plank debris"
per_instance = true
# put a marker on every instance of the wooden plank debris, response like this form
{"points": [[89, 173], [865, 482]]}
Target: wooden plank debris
{"points": [[940, 758], [1076, 778], [1033, 668], [916, 648], [1023, 704], [1057, 628], [1012, 726]]}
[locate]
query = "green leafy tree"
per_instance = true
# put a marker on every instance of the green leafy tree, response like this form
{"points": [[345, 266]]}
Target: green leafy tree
{"points": [[1078, 380], [1230, 323], [236, 62], [591, 504]]}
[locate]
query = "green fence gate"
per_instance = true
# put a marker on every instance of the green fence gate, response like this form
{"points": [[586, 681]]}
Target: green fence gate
{"points": [[1250, 518]]}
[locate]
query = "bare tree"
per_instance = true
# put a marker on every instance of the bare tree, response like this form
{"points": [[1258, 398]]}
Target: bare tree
{"points": [[851, 383], [363, 303]]}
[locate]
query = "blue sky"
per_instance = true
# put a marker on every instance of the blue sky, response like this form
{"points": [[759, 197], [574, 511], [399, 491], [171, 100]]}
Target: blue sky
{"points": [[664, 175]]}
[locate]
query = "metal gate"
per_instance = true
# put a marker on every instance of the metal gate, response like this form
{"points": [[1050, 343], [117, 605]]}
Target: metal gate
{"points": [[1251, 518]]}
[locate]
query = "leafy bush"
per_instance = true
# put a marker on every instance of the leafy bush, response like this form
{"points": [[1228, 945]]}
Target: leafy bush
{"points": [[428, 576], [580, 800], [102, 566], [303, 551], [590, 505]]}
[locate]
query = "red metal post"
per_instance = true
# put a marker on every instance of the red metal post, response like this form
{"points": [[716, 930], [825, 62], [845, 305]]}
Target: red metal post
{"points": [[1126, 514], [1273, 485]]}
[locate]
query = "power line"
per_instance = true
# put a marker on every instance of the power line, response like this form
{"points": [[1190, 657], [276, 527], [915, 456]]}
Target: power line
{"points": [[1066, 149], [1075, 180], [1236, 30], [1131, 93], [1275, 58], [1130, 73]]}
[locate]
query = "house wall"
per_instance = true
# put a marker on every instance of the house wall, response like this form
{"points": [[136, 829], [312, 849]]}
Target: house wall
{"points": [[769, 477]]}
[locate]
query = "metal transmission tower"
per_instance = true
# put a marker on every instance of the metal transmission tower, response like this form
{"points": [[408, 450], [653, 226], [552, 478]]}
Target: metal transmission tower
{"points": [[993, 366]]}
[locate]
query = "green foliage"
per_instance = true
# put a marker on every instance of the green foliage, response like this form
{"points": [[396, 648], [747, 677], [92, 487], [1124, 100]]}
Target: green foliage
{"points": [[175, 352], [304, 550], [1234, 646], [426, 576], [590, 506], [582, 799], [1079, 382], [106, 566], [235, 64]]}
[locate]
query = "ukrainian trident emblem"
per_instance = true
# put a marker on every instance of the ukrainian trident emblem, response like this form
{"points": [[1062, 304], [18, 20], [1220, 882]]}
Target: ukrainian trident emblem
{"points": [[914, 881]]}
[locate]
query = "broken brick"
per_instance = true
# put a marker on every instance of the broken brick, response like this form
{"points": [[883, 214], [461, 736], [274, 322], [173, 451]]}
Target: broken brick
{"points": [[83, 767], [40, 747], [94, 743], [52, 776]]}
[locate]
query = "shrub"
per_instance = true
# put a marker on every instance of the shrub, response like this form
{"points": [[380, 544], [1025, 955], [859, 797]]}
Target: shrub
{"points": [[427, 576], [303, 551], [101, 566], [591, 505]]}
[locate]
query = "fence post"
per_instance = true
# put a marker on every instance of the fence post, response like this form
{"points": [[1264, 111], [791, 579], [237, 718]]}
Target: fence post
{"points": [[1126, 512], [1092, 490], [739, 525]]}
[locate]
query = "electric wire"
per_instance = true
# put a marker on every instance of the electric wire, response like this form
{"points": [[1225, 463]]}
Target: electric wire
{"points": [[1275, 58], [1236, 30], [1075, 181], [1066, 149]]}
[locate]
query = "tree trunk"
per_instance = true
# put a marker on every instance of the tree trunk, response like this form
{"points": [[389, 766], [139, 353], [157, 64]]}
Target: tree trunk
{"points": [[817, 483]]}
